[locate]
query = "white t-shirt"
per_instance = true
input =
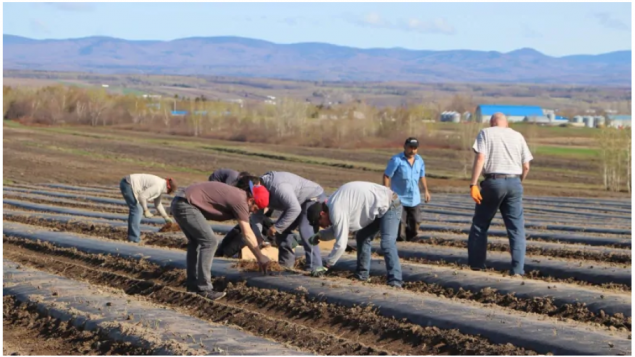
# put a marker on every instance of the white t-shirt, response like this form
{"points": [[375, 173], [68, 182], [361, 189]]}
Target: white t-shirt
{"points": [[148, 187], [505, 150]]}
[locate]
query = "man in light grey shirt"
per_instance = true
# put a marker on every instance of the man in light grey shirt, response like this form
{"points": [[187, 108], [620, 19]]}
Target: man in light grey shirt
{"points": [[503, 157], [367, 209], [293, 196]]}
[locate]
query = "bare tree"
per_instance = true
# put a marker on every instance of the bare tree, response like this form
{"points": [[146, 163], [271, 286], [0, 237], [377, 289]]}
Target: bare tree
{"points": [[467, 135], [531, 134], [615, 157]]}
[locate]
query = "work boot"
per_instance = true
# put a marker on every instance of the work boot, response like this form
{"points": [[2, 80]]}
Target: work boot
{"points": [[212, 295]]}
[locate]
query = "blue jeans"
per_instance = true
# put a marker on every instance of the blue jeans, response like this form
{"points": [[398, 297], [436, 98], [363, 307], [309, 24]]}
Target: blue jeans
{"points": [[388, 226], [284, 240], [201, 244], [505, 194], [135, 214]]}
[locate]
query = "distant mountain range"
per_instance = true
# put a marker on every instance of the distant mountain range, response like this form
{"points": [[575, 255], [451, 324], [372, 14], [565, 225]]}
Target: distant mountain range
{"points": [[244, 57]]}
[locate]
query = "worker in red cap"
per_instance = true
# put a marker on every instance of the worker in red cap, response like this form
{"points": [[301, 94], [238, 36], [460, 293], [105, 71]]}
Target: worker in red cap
{"points": [[215, 201]]}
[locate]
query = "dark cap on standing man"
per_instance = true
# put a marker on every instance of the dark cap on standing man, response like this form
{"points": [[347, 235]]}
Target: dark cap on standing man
{"points": [[412, 142]]}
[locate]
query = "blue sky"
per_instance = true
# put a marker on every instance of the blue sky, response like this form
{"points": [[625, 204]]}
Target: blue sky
{"points": [[555, 29]]}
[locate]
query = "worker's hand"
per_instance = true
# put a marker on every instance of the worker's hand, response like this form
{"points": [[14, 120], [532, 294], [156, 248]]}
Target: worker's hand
{"points": [[271, 232], [264, 262], [315, 239], [318, 272], [476, 194], [168, 219], [427, 196], [147, 214]]}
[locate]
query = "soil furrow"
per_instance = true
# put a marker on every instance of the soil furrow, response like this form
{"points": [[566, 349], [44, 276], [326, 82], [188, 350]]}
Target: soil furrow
{"points": [[173, 241], [29, 332], [114, 194], [78, 205], [547, 306], [534, 274], [290, 318], [533, 250]]}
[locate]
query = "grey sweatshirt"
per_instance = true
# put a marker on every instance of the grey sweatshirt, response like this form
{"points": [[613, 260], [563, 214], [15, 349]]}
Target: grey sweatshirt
{"points": [[287, 192], [227, 176], [352, 207]]}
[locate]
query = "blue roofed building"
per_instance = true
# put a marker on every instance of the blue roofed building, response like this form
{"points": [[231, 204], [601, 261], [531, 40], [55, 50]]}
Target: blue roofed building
{"points": [[514, 113]]}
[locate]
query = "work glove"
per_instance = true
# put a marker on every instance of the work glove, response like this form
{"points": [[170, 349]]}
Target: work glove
{"points": [[168, 220], [147, 214], [475, 192], [318, 272], [315, 239]]}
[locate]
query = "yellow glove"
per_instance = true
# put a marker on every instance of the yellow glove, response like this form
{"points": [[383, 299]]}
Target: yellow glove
{"points": [[475, 192]]}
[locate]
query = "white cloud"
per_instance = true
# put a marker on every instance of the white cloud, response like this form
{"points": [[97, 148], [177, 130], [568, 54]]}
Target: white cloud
{"points": [[607, 20], [436, 26], [38, 26], [375, 20]]}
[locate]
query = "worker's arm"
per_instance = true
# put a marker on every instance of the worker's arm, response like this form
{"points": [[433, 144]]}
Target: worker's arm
{"points": [[339, 231], [477, 167], [159, 207], [391, 168], [525, 171], [426, 193], [287, 198], [251, 242], [526, 158], [423, 182], [147, 194]]}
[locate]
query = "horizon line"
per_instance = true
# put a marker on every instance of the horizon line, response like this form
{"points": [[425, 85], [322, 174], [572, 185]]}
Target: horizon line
{"points": [[301, 43]]}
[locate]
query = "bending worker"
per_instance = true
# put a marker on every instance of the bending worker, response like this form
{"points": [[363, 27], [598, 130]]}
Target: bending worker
{"points": [[404, 173], [216, 201], [227, 176], [503, 157], [293, 196], [137, 190], [367, 209]]}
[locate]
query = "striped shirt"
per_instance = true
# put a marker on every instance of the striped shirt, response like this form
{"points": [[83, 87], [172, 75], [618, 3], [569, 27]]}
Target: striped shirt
{"points": [[505, 150]]}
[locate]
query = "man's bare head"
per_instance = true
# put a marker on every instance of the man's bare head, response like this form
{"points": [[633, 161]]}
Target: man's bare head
{"points": [[498, 119]]}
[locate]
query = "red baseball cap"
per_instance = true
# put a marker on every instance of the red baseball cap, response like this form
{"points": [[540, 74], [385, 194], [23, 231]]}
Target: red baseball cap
{"points": [[260, 194]]}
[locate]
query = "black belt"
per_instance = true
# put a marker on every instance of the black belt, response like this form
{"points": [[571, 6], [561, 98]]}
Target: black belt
{"points": [[500, 176]]}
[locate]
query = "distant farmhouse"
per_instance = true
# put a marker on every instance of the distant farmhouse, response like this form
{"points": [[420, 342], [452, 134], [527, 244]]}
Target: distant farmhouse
{"points": [[619, 121]]}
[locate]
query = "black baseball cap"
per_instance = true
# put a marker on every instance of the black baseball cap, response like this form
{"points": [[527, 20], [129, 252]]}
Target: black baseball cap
{"points": [[313, 216], [413, 142]]}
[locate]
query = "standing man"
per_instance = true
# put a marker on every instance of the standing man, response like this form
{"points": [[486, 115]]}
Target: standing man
{"points": [[503, 157], [227, 176], [367, 209], [293, 196], [215, 201], [137, 190], [404, 173]]}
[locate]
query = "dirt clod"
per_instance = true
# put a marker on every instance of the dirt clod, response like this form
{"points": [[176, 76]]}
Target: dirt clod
{"points": [[170, 227]]}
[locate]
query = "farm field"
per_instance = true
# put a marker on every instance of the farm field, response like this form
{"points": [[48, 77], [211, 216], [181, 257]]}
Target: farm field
{"points": [[65, 252], [66, 257], [96, 155]]}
